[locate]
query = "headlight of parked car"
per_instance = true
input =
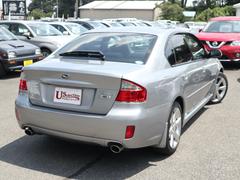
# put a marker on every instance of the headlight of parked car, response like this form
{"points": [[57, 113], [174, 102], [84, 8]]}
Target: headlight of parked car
{"points": [[11, 54], [38, 51], [235, 43]]}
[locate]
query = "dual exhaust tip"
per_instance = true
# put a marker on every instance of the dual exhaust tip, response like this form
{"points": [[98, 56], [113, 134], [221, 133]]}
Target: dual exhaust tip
{"points": [[116, 148]]}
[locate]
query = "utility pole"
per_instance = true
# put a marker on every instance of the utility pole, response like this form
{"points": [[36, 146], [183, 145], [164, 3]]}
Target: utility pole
{"points": [[76, 9], [80, 4], [57, 7]]}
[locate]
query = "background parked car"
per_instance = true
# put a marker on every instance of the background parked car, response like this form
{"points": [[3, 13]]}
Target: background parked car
{"points": [[111, 24], [15, 54], [40, 34], [122, 88], [89, 24], [195, 27], [68, 28], [222, 33]]}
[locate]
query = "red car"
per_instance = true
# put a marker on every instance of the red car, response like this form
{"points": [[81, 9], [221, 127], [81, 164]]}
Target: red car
{"points": [[223, 33]]}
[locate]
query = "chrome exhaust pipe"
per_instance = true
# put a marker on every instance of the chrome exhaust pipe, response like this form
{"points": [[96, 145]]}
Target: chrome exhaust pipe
{"points": [[116, 148], [29, 131]]}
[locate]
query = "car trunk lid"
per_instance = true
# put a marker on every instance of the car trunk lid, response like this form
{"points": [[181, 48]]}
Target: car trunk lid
{"points": [[83, 86]]}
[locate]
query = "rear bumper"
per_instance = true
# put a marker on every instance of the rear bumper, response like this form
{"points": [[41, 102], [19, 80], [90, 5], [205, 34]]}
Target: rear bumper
{"points": [[100, 129]]}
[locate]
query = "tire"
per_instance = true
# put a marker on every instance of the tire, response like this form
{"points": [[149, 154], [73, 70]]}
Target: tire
{"points": [[174, 129], [2, 71], [221, 88], [46, 52]]}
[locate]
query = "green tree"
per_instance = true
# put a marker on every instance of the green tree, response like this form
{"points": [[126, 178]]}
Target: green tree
{"points": [[66, 7], [215, 12], [38, 13], [171, 11]]}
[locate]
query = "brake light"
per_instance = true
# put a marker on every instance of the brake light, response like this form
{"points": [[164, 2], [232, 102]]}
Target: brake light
{"points": [[131, 92], [23, 85], [129, 132]]}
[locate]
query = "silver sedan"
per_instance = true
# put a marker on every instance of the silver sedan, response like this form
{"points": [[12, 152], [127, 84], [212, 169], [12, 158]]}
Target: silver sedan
{"points": [[121, 88]]}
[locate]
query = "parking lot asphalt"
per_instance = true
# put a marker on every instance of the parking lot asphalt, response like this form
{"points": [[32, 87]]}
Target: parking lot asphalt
{"points": [[209, 147]]}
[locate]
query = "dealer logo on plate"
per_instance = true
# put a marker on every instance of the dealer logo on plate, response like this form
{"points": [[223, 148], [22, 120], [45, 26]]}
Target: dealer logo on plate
{"points": [[67, 95]]}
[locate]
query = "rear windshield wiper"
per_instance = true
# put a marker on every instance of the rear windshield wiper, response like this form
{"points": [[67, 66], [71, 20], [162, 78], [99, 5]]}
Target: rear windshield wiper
{"points": [[94, 54]]}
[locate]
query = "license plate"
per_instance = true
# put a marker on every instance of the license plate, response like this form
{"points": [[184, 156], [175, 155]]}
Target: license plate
{"points": [[27, 62], [67, 96]]}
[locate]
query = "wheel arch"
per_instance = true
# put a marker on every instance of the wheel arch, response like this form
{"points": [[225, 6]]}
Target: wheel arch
{"points": [[180, 100], [44, 47]]}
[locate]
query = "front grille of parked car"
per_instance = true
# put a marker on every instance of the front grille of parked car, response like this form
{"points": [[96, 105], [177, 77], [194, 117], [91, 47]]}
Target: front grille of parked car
{"points": [[215, 44], [25, 55]]}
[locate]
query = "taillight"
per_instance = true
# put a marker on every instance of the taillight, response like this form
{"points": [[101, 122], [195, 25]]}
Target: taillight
{"points": [[23, 85], [129, 132], [131, 92]]}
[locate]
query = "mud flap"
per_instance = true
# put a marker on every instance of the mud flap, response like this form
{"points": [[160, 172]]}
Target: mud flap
{"points": [[163, 141]]}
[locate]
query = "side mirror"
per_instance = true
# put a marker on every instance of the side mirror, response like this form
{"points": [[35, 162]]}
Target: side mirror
{"points": [[65, 33], [200, 30], [27, 35], [215, 53]]}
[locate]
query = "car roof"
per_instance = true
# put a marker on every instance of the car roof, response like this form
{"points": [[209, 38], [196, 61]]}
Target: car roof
{"points": [[23, 22], [225, 18], [135, 29]]}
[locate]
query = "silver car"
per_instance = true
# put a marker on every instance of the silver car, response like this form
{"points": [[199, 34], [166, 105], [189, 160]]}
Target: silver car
{"points": [[121, 88], [68, 28], [40, 34]]}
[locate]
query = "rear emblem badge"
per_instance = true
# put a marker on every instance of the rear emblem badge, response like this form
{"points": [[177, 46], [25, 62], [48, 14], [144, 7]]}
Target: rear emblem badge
{"points": [[65, 76]]}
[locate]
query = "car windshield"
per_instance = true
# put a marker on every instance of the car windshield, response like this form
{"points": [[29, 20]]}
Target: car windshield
{"points": [[42, 29], [5, 35], [223, 27], [117, 47], [76, 28]]}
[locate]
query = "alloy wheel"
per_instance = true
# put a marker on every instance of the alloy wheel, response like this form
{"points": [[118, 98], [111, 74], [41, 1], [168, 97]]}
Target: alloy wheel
{"points": [[175, 128], [220, 89]]}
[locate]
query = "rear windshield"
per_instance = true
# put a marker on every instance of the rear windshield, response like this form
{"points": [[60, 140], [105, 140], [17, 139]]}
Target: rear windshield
{"points": [[223, 27], [117, 47]]}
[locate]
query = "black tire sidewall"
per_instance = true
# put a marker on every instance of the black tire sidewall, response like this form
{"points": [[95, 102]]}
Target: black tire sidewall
{"points": [[2, 71], [47, 51]]}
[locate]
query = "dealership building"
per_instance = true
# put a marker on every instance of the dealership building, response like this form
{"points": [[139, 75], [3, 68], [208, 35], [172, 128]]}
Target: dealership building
{"points": [[237, 7], [145, 10]]}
